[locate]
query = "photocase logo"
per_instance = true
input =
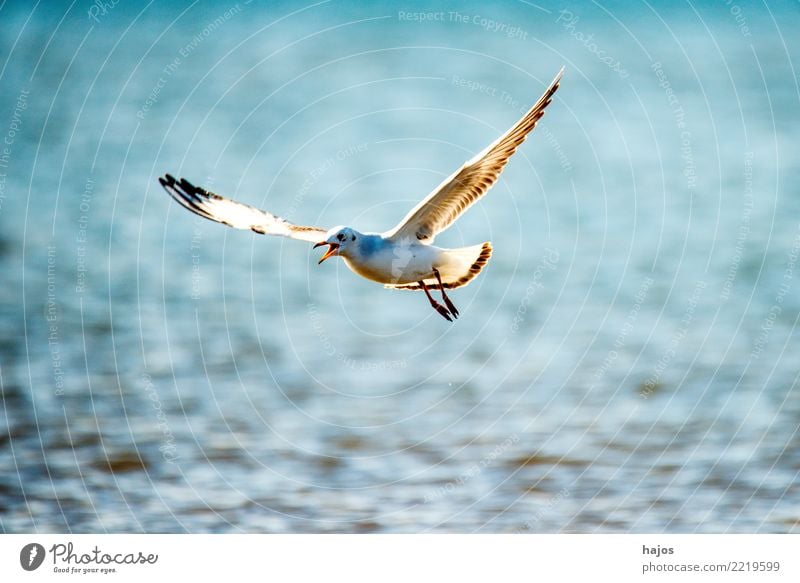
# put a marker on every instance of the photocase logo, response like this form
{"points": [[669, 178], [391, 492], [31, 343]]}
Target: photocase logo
{"points": [[31, 556]]}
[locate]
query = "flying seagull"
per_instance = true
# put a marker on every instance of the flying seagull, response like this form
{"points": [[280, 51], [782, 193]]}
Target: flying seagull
{"points": [[404, 257]]}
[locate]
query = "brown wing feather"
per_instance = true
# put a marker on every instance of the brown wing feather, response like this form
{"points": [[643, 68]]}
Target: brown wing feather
{"points": [[460, 190]]}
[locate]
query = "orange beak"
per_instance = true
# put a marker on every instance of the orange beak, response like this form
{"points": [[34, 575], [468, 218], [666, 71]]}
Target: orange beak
{"points": [[333, 248]]}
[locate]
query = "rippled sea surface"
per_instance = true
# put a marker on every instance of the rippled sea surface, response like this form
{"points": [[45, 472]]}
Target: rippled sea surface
{"points": [[627, 362]]}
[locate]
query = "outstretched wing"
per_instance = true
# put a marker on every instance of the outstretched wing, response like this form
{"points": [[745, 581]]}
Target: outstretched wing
{"points": [[235, 214], [460, 190]]}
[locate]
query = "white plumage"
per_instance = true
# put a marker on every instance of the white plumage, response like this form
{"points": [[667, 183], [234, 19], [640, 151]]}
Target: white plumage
{"points": [[404, 257]]}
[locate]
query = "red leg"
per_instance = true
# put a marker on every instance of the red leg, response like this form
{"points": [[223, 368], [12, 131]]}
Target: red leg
{"points": [[447, 301], [436, 305]]}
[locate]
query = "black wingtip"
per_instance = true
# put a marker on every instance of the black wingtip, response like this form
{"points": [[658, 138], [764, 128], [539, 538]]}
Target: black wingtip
{"points": [[190, 188], [167, 181]]}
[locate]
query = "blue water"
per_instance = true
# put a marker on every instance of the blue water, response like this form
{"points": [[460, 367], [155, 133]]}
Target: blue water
{"points": [[627, 362]]}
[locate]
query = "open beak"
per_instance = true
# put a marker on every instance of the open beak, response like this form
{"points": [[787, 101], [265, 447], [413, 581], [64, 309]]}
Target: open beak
{"points": [[332, 249]]}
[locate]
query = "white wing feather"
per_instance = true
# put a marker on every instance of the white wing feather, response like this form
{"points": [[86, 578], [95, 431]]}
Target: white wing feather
{"points": [[235, 214]]}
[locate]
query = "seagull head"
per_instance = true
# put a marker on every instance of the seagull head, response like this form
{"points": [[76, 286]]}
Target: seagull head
{"points": [[339, 241]]}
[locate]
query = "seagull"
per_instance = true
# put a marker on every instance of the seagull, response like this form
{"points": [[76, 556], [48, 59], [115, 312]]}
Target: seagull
{"points": [[404, 257]]}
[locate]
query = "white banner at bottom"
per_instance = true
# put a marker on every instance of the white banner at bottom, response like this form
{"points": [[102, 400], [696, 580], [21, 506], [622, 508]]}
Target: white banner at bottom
{"points": [[400, 558]]}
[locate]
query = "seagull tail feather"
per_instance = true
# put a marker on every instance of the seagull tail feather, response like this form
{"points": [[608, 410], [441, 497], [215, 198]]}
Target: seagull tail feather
{"points": [[458, 268]]}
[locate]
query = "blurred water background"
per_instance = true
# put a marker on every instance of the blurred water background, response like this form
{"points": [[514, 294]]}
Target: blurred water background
{"points": [[627, 362]]}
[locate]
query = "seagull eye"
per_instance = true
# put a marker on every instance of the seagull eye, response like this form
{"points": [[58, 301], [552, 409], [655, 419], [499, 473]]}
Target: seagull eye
{"points": [[340, 237]]}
